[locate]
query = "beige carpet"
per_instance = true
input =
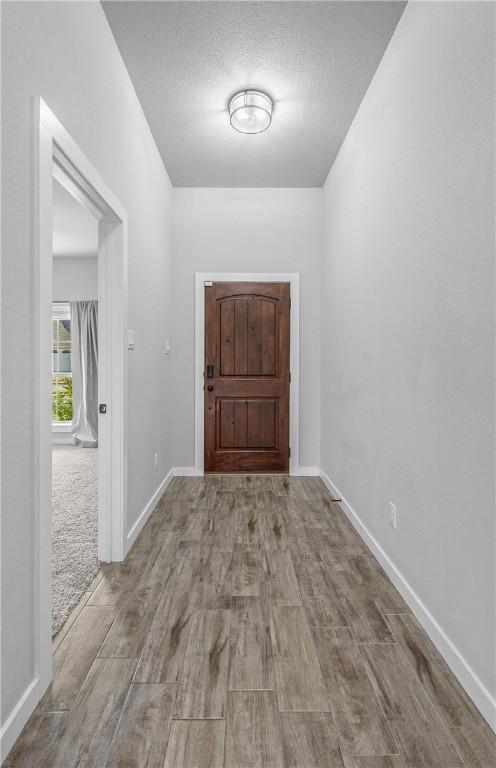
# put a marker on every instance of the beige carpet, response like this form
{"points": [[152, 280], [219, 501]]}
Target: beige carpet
{"points": [[74, 527]]}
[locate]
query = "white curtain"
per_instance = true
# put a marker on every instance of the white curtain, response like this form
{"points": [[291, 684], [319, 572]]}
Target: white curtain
{"points": [[84, 338]]}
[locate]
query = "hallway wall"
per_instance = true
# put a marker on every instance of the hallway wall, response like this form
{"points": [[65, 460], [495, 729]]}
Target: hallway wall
{"points": [[65, 53], [247, 230], [75, 278], [408, 301]]}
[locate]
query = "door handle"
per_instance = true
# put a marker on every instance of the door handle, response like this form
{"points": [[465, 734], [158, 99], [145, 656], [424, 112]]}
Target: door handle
{"points": [[210, 371], [210, 388]]}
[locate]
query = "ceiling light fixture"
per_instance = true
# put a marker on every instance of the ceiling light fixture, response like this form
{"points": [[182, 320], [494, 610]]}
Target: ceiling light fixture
{"points": [[250, 111]]}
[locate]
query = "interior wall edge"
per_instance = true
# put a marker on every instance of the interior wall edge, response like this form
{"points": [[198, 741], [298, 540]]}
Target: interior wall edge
{"points": [[460, 667]]}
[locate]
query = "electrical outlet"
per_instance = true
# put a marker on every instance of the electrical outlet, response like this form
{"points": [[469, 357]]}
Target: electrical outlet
{"points": [[155, 460], [393, 515]]}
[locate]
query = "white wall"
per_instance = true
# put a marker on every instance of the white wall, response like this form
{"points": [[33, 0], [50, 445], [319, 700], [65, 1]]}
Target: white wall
{"points": [[65, 53], [247, 230], [75, 279], [408, 308]]}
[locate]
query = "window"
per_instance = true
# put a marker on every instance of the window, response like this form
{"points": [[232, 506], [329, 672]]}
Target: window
{"points": [[61, 364]]}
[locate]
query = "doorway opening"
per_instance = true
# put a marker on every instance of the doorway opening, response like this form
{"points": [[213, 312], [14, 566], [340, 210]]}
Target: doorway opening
{"points": [[67, 327], [74, 402]]}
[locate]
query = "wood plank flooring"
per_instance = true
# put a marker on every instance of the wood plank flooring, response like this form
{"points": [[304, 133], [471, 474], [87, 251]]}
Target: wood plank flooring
{"points": [[249, 627]]}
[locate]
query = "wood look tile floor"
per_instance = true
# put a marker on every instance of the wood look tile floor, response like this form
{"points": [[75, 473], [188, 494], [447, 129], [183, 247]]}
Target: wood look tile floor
{"points": [[249, 626]]}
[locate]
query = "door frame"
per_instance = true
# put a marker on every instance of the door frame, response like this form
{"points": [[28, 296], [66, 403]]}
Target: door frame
{"points": [[58, 156], [293, 278]]}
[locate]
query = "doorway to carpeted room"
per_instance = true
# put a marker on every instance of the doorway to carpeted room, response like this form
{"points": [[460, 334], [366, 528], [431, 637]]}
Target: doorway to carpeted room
{"points": [[74, 399], [74, 527]]}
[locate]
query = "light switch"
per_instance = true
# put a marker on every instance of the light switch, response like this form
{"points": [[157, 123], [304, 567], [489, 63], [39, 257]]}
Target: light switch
{"points": [[167, 347], [130, 340]]}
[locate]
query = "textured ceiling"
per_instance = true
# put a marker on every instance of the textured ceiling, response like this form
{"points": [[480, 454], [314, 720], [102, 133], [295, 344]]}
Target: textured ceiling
{"points": [[316, 59], [75, 229]]}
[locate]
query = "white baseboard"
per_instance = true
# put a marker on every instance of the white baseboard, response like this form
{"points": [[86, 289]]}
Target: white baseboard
{"points": [[306, 472], [187, 472], [145, 514], [468, 679], [18, 718]]}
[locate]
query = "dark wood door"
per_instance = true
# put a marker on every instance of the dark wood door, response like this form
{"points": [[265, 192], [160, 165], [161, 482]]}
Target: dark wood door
{"points": [[247, 377]]}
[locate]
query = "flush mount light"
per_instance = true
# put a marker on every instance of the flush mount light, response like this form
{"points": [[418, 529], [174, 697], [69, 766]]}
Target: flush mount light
{"points": [[250, 111]]}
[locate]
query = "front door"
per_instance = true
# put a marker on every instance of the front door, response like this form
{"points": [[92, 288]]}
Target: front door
{"points": [[247, 377]]}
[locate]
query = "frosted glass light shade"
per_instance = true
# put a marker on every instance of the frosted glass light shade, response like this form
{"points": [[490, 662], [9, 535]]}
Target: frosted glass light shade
{"points": [[250, 111]]}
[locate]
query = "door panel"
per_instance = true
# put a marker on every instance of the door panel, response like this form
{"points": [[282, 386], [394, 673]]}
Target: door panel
{"points": [[247, 377], [248, 337], [247, 423]]}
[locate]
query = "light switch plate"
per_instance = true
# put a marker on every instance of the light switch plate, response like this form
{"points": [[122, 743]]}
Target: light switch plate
{"points": [[393, 515], [130, 340], [167, 347]]}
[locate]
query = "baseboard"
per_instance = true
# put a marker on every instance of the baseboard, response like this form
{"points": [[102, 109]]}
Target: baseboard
{"points": [[466, 676], [18, 718], [145, 514], [306, 472]]}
